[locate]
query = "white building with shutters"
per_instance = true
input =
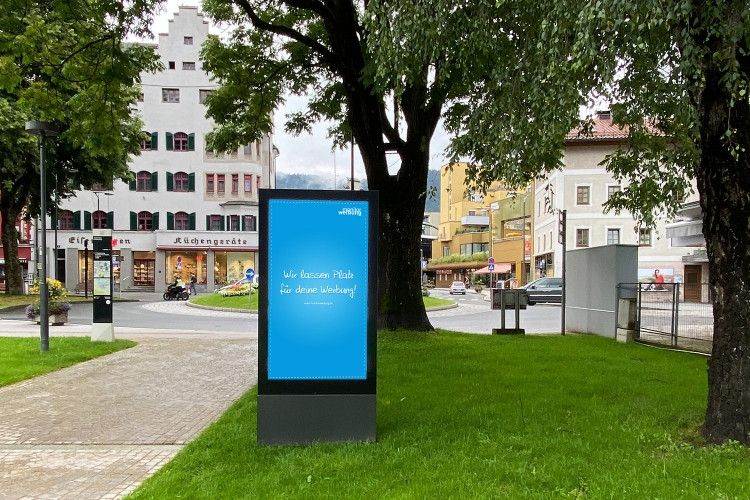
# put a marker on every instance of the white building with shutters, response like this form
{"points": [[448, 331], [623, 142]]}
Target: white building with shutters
{"points": [[187, 211]]}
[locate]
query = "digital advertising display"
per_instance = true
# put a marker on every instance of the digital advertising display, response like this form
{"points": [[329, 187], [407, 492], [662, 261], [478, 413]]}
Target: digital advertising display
{"points": [[317, 299]]}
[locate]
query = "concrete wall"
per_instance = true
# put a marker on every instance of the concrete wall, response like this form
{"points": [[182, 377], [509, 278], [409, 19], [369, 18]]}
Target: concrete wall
{"points": [[591, 286]]}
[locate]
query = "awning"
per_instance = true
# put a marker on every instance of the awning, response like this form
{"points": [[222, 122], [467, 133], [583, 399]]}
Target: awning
{"points": [[500, 268]]}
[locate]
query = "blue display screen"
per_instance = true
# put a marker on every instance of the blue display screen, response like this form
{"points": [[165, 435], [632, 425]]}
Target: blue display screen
{"points": [[317, 289]]}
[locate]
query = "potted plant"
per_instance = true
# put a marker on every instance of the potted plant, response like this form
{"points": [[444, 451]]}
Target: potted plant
{"points": [[57, 307]]}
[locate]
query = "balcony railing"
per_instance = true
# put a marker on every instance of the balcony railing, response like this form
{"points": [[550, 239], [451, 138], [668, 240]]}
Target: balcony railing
{"points": [[475, 220]]}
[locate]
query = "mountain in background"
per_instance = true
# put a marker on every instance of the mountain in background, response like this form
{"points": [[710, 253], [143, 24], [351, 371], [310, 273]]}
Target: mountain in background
{"points": [[310, 181]]}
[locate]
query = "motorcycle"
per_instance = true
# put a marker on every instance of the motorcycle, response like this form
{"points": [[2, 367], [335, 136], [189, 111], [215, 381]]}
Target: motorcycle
{"points": [[176, 292]]}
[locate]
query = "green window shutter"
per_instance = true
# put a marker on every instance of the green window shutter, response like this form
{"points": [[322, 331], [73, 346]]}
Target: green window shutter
{"points": [[131, 185], [170, 221], [53, 219], [154, 181], [154, 140], [155, 220], [76, 220], [133, 221], [222, 224], [242, 219], [170, 141], [191, 183], [110, 220], [170, 181], [191, 142], [87, 221], [191, 221], [228, 223], [208, 223]]}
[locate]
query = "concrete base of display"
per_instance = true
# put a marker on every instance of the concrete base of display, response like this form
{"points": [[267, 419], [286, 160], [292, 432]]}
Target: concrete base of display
{"points": [[102, 332]]}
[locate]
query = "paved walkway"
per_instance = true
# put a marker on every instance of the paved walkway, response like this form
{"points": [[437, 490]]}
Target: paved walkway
{"points": [[99, 428]]}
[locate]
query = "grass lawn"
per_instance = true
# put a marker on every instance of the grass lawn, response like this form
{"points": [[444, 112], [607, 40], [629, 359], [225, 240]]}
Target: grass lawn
{"points": [[489, 416], [216, 300], [21, 359], [7, 301], [430, 302], [242, 302]]}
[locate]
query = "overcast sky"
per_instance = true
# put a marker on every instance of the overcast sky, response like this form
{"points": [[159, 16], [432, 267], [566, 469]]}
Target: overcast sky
{"points": [[308, 153]]}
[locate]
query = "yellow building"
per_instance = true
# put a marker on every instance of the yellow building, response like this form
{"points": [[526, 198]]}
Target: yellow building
{"points": [[469, 221]]}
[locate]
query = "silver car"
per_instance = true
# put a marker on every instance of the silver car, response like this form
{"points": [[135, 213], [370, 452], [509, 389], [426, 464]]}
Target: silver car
{"points": [[458, 287], [544, 290]]}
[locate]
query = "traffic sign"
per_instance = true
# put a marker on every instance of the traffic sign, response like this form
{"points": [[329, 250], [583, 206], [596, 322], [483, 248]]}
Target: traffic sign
{"points": [[491, 260], [249, 273], [491, 267]]}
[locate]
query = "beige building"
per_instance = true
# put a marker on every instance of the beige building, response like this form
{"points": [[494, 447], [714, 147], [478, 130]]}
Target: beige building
{"points": [[470, 221], [582, 187]]}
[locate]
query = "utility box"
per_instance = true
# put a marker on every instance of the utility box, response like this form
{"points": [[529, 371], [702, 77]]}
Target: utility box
{"points": [[592, 277]]}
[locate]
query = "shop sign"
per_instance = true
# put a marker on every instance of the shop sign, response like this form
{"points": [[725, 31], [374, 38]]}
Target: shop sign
{"points": [[218, 241]]}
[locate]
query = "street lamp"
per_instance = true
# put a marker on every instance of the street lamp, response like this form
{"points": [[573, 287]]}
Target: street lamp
{"points": [[43, 129], [97, 193]]}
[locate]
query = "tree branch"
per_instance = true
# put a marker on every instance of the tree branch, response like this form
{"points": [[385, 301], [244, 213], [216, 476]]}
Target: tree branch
{"points": [[288, 32], [311, 5]]}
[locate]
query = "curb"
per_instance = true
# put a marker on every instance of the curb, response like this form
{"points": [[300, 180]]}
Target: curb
{"points": [[442, 308], [246, 311], [224, 309]]}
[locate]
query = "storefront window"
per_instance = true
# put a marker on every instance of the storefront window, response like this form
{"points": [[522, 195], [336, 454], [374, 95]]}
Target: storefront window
{"points": [[184, 265], [230, 266]]}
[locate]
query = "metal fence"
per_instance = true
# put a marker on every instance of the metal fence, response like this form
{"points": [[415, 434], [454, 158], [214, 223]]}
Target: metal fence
{"points": [[672, 314]]}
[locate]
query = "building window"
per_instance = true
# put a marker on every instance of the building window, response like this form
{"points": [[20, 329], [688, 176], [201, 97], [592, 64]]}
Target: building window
{"points": [[146, 142], [220, 183], [644, 237], [257, 148], [613, 236], [143, 181], [248, 183], [181, 221], [171, 65], [181, 182], [188, 66], [202, 95], [145, 222], [187, 40], [180, 141], [234, 222], [446, 251], [583, 195], [99, 219], [210, 183], [235, 183], [582, 237], [170, 95], [611, 190], [250, 222], [215, 223], [65, 220]]}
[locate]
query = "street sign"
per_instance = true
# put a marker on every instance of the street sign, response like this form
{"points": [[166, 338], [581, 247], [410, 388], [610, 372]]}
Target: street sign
{"points": [[249, 274], [491, 260], [490, 267]]}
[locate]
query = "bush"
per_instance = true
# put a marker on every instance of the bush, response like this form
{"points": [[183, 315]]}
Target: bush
{"points": [[235, 290], [56, 292]]}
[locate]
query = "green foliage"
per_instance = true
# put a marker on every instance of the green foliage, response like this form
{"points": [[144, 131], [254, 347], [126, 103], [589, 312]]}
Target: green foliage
{"points": [[475, 257], [477, 416]]}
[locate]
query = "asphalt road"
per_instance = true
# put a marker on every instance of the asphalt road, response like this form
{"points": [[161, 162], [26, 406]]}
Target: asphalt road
{"points": [[472, 315]]}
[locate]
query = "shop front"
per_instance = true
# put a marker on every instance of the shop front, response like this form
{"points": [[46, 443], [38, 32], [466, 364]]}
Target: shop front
{"points": [[214, 258]]}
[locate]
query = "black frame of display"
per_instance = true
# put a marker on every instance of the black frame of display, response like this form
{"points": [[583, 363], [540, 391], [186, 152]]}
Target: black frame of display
{"points": [[308, 387]]}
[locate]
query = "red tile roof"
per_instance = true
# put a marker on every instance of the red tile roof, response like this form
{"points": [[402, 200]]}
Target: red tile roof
{"points": [[602, 130]]}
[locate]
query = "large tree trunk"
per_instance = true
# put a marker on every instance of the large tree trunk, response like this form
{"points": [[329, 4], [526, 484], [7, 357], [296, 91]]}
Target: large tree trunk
{"points": [[399, 269], [724, 186], [13, 270]]}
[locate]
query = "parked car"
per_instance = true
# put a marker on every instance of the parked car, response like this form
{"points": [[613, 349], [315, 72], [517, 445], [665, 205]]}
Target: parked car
{"points": [[458, 287], [544, 290]]}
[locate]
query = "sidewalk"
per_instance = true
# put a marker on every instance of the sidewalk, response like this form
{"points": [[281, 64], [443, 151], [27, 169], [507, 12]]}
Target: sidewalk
{"points": [[99, 428]]}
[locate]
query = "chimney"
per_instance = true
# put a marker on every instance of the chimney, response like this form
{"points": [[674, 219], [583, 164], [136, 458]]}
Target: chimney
{"points": [[604, 114]]}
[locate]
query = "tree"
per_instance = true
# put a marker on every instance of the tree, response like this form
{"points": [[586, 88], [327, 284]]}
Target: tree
{"points": [[342, 54], [65, 62], [677, 74]]}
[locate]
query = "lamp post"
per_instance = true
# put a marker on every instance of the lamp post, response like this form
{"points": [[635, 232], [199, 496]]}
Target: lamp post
{"points": [[97, 193], [43, 129]]}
